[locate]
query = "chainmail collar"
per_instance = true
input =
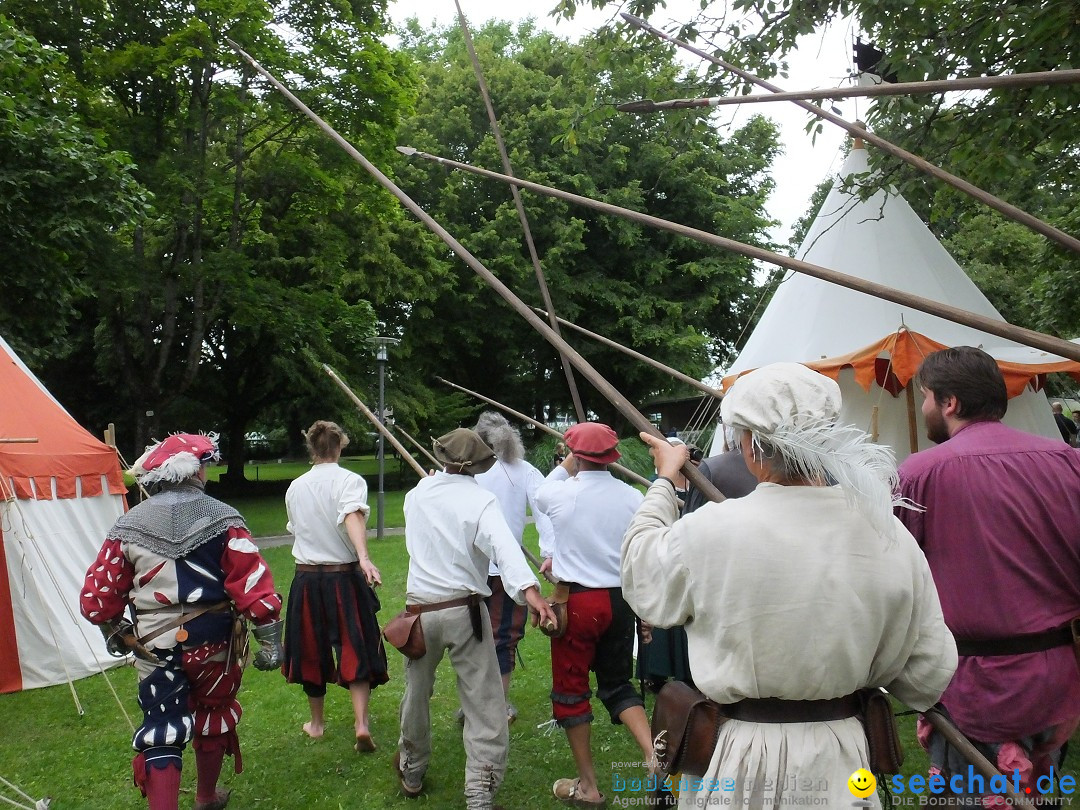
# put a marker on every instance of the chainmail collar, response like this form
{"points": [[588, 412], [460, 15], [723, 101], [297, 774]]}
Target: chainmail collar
{"points": [[176, 521]]}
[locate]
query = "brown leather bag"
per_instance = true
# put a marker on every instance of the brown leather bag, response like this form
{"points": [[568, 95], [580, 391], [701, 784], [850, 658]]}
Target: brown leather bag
{"points": [[886, 754], [405, 632], [685, 728], [557, 603]]}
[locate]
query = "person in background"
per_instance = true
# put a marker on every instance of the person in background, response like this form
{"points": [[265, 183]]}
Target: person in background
{"points": [[589, 511], [513, 481], [186, 565], [794, 597], [1065, 425], [1001, 532], [332, 628], [454, 530]]}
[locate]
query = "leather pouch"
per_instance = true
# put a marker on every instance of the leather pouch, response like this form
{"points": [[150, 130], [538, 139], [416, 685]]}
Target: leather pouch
{"points": [[685, 728], [405, 632], [886, 754], [557, 603]]}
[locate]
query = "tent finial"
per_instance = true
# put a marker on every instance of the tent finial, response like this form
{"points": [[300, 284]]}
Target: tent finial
{"points": [[857, 142]]}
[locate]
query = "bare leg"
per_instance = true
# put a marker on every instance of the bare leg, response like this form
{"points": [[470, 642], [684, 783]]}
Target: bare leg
{"points": [[637, 723], [506, 685], [315, 727], [578, 736], [360, 692]]}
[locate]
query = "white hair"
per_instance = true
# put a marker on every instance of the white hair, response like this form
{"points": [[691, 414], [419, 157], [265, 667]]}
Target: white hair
{"points": [[500, 436]]}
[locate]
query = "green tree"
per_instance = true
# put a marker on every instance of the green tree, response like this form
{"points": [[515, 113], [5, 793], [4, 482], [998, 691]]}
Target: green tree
{"points": [[263, 237], [669, 297], [66, 196]]}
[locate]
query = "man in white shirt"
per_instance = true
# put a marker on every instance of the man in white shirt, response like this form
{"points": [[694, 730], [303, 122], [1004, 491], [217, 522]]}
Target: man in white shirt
{"points": [[453, 532], [514, 483], [589, 511]]}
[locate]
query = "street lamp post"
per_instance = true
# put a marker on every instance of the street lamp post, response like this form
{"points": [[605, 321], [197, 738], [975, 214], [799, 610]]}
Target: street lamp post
{"points": [[381, 357]]}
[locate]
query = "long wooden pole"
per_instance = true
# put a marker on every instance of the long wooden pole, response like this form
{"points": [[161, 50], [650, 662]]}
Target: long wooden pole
{"points": [[606, 389], [496, 130], [963, 745], [419, 447], [1042, 78], [405, 453], [625, 472], [1028, 337], [678, 375], [379, 426], [1011, 211]]}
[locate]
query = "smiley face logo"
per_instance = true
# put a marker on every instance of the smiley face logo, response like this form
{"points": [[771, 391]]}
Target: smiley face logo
{"points": [[861, 783]]}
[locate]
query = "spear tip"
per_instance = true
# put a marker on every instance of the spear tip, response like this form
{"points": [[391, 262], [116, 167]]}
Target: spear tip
{"points": [[407, 150]]}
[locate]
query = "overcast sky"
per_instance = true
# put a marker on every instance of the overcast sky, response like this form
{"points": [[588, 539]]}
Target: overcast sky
{"points": [[822, 60]]}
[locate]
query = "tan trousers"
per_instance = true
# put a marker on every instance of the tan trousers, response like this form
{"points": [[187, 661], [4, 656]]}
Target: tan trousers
{"points": [[487, 741]]}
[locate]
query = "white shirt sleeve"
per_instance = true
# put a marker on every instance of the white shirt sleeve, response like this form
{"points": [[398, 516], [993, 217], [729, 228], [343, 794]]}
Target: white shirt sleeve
{"points": [[655, 580], [494, 539], [533, 481], [353, 497]]}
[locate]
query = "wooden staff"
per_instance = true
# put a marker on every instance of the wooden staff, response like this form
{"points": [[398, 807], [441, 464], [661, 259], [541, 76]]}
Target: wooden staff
{"points": [[626, 472], [678, 375], [1011, 211], [496, 130], [1046, 77], [405, 454], [962, 744], [18, 441], [621, 403], [420, 447], [1028, 337]]}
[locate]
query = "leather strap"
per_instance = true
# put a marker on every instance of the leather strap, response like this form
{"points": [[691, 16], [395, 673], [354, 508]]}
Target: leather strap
{"points": [[472, 599], [343, 568], [775, 710], [213, 607], [1016, 645]]}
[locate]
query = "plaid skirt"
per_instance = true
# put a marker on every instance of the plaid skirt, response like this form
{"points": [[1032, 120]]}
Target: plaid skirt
{"points": [[332, 632]]}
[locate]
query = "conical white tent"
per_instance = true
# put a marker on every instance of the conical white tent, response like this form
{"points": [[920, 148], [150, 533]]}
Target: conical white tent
{"points": [[60, 491], [873, 347]]}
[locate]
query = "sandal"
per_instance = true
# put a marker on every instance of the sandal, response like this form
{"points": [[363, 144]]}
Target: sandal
{"points": [[569, 790]]}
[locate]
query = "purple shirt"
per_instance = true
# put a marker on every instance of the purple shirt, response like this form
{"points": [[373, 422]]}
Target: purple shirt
{"points": [[1001, 533]]}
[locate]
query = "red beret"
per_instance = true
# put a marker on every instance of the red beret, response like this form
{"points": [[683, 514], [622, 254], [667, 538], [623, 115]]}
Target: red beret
{"points": [[593, 441]]}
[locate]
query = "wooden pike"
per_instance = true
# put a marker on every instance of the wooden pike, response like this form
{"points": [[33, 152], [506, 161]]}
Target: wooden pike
{"points": [[1011, 211], [434, 461], [626, 472], [606, 389], [1028, 337], [1042, 78], [678, 375], [405, 453], [956, 738], [496, 130], [379, 426]]}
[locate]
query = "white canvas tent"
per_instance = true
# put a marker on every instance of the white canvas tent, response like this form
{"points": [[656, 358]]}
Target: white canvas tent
{"points": [[873, 347], [60, 491]]}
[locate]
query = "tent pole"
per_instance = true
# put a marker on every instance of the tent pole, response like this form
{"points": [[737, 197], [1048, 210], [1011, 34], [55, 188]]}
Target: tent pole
{"points": [[999, 205], [606, 389], [1029, 337], [912, 425]]}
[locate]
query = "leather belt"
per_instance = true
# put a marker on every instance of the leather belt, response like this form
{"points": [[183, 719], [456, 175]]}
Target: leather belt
{"points": [[776, 710], [342, 568], [183, 618], [472, 601], [1020, 644]]}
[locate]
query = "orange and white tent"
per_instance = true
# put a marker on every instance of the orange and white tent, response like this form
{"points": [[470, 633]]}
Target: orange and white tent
{"points": [[60, 491], [873, 347]]}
